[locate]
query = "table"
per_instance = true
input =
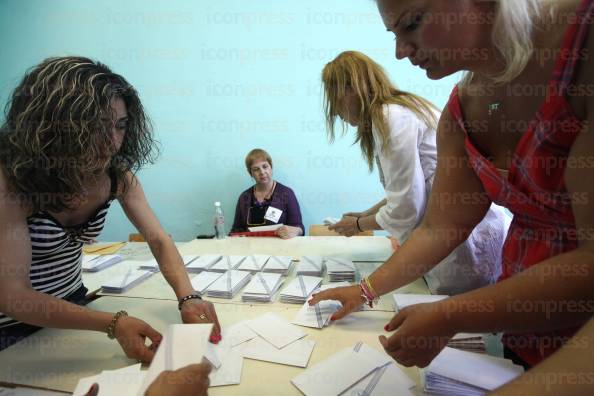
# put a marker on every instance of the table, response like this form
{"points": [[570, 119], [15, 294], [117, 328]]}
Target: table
{"points": [[56, 359]]}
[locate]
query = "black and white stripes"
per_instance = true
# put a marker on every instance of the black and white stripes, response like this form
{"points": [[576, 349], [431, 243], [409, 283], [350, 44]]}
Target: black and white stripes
{"points": [[57, 254]]}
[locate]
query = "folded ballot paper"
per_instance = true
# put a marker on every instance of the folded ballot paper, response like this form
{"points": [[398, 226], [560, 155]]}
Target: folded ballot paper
{"points": [[154, 266], [342, 371], [299, 289], [387, 380], [318, 316], [227, 263], [262, 287], [310, 265], [182, 345], [228, 284], [96, 262], [277, 341], [124, 281], [203, 263], [253, 263], [203, 280], [227, 362], [278, 265], [340, 269], [124, 381], [460, 373]]}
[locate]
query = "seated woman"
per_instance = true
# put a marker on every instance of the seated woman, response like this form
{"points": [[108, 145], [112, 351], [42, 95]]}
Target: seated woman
{"points": [[396, 130], [73, 136], [267, 202]]}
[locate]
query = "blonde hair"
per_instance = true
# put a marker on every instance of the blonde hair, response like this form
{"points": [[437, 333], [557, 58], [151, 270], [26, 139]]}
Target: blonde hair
{"points": [[256, 154], [374, 90], [512, 36]]}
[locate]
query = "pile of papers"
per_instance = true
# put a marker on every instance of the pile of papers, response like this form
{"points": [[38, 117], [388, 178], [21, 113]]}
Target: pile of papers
{"points": [[228, 284], [203, 263], [154, 266], [254, 263], [96, 262], [460, 373], [358, 370], [120, 283], [203, 280], [311, 266], [318, 316], [278, 265], [468, 342], [262, 287], [227, 263], [277, 341], [340, 269], [299, 289]]}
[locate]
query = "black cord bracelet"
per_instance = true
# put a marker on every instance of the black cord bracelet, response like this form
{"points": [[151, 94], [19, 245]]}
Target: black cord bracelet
{"points": [[358, 226], [186, 298]]}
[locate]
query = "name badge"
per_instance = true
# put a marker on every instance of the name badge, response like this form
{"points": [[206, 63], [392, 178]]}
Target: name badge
{"points": [[273, 214]]}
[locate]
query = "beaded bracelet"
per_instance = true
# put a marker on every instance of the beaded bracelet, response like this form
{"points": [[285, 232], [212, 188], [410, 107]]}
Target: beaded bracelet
{"points": [[186, 298], [366, 294], [112, 324]]}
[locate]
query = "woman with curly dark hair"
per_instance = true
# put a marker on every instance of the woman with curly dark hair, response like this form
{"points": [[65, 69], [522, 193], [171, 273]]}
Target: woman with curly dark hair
{"points": [[74, 135]]}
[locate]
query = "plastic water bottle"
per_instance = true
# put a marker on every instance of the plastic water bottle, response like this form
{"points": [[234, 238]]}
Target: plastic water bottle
{"points": [[219, 222]]}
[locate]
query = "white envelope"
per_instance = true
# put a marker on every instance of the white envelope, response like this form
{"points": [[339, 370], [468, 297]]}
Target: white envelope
{"points": [[340, 371], [335, 264], [302, 286], [227, 263], [228, 281], [278, 263], [126, 380], [237, 334], [203, 280], [263, 283], [254, 262], [384, 381], [310, 264], [404, 300], [275, 330], [294, 354], [202, 263], [122, 282], [96, 262], [182, 344]]}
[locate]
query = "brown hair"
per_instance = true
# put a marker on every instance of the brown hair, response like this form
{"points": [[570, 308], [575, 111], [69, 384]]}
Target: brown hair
{"points": [[256, 154], [374, 90], [57, 131]]}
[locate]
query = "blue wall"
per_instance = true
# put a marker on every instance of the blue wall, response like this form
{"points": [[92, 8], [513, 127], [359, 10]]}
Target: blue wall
{"points": [[219, 78]]}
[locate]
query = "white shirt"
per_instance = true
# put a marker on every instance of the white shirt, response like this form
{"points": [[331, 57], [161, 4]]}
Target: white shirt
{"points": [[406, 167]]}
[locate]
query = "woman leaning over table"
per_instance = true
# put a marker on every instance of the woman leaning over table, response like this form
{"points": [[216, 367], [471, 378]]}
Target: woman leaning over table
{"points": [[530, 153], [267, 202], [74, 134], [396, 130]]}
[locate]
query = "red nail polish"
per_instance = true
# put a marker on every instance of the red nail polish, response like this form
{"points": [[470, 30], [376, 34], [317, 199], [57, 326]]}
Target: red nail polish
{"points": [[332, 318], [387, 327]]}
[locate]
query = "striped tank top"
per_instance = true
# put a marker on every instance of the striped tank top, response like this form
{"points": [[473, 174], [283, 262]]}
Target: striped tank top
{"points": [[56, 259]]}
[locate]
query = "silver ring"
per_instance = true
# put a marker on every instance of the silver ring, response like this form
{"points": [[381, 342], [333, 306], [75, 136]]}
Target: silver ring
{"points": [[202, 317]]}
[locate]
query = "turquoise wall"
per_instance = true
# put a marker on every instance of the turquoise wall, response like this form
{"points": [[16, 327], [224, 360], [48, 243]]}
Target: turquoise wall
{"points": [[219, 78]]}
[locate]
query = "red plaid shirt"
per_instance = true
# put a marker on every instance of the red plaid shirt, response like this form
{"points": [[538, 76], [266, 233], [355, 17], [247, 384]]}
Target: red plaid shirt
{"points": [[535, 191]]}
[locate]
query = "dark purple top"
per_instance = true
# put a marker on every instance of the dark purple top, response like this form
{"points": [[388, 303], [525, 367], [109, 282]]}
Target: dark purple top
{"points": [[283, 198]]}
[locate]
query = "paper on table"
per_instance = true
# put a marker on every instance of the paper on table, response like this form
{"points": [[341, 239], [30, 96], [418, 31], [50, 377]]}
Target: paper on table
{"points": [[387, 380], [302, 286], [227, 263], [275, 330], [272, 227], [483, 371], [96, 262], [278, 264], [294, 354], [263, 283], [254, 262], [182, 344], [203, 263], [238, 333], [153, 265], [404, 300], [317, 316], [103, 248], [126, 380], [122, 282], [84, 384], [203, 280], [228, 284], [340, 371]]}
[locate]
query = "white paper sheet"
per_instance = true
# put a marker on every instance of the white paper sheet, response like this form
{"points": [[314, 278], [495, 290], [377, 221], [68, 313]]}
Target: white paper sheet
{"points": [[294, 354], [275, 330], [404, 300]]}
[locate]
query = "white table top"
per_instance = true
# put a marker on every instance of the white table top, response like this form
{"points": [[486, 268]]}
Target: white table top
{"points": [[56, 359]]}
